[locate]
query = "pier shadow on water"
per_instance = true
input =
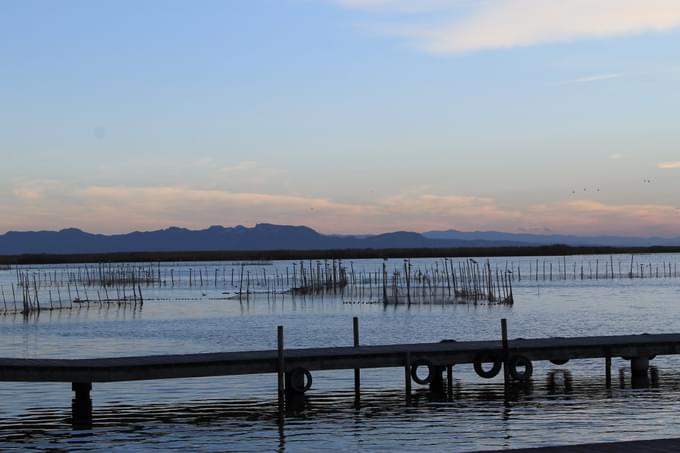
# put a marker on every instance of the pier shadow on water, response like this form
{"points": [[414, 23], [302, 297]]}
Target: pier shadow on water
{"points": [[474, 414]]}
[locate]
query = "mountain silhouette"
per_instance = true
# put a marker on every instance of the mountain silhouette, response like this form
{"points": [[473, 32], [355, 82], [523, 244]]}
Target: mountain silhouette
{"points": [[262, 236], [267, 236], [548, 239]]}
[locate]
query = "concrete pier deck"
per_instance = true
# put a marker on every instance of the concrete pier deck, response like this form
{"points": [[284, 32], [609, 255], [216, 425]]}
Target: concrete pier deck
{"points": [[334, 358], [294, 366]]}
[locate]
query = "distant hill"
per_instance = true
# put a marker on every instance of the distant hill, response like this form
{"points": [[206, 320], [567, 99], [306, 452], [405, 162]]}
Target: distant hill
{"points": [[268, 237], [217, 238], [550, 239]]}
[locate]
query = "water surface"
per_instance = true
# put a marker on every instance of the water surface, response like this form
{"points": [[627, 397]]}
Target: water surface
{"points": [[239, 413]]}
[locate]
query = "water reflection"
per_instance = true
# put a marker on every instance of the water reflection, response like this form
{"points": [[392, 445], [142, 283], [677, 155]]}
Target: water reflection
{"points": [[553, 408], [114, 312], [478, 414], [559, 382], [639, 381]]}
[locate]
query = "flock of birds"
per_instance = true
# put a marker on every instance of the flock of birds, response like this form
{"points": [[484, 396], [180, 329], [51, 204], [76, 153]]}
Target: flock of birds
{"points": [[585, 189]]}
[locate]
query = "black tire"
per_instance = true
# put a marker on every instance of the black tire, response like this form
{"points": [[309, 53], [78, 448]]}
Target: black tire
{"points": [[559, 361], [520, 361], [295, 376], [651, 357], [414, 372], [481, 359]]}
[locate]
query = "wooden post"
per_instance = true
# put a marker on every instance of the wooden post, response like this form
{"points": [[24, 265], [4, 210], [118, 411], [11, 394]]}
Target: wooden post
{"points": [[504, 339], [407, 374], [240, 283], [81, 406], [407, 274], [608, 371], [385, 281], [357, 371], [280, 368]]}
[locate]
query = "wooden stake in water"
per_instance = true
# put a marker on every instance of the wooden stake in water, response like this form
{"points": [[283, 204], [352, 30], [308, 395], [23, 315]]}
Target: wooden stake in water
{"points": [[630, 274], [280, 367], [506, 371], [407, 375], [608, 371], [357, 371], [240, 284]]}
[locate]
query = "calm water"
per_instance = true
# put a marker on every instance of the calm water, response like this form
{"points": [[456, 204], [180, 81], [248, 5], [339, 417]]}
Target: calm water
{"points": [[562, 405]]}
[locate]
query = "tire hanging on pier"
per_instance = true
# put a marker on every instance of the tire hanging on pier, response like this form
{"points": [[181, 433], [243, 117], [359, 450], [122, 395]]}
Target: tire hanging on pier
{"points": [[414, 372], [300, 380], [519, 361], [483, 358], [559, 361]]}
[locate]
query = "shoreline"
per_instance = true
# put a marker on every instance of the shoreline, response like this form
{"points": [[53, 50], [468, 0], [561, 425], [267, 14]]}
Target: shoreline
{"points": [[283, 255]]}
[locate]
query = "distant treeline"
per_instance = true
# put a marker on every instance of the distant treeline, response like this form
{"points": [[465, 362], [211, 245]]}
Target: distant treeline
{"points": [[460, 252]]}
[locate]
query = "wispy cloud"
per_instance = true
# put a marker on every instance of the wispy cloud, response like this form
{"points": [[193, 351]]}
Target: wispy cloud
{"points": [[669, 165], [241, 175], [31, 191], [400, 6], [110, 209], [502, 24], [594, 78], [616, 156]]}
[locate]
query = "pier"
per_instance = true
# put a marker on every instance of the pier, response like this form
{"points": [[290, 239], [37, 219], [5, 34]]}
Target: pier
{"points": [[294, 367]]}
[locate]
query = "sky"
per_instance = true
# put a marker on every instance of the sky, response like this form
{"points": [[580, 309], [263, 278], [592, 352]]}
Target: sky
{"points": [[349, 116]]}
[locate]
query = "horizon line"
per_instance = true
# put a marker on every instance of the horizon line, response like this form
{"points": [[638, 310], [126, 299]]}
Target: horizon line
{"points": [[199, 229]]}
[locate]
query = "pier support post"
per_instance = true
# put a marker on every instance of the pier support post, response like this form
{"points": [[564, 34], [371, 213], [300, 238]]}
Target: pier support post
{"points": [[357, 371], [407, 375], [281, 369], [81, 405], [506, 358], [639, 370], [608, 371], [437, 380], [295, 388], [639, 366]]}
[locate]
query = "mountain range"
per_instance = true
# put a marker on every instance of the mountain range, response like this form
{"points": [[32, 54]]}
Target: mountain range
{"points": [[284, 237], [551, 239]]}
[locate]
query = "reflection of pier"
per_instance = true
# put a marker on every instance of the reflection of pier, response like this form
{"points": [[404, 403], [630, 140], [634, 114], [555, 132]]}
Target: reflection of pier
{"points": [[424, 363], [656, 445]]}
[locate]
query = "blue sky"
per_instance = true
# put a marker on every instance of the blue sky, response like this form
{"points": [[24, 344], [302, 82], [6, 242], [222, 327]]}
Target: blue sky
{"points": [[351, 116]]}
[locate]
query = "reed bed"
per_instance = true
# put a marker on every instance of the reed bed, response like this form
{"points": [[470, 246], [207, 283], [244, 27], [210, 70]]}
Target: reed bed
{"points": [[34, 293], [401, 281]]}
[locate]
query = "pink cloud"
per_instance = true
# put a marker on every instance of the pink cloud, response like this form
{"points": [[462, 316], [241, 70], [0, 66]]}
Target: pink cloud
{"points": [[119, 209], [503, 24]]}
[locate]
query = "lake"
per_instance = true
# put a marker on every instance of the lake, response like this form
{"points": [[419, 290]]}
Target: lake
{"points": [[562, 405]]}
